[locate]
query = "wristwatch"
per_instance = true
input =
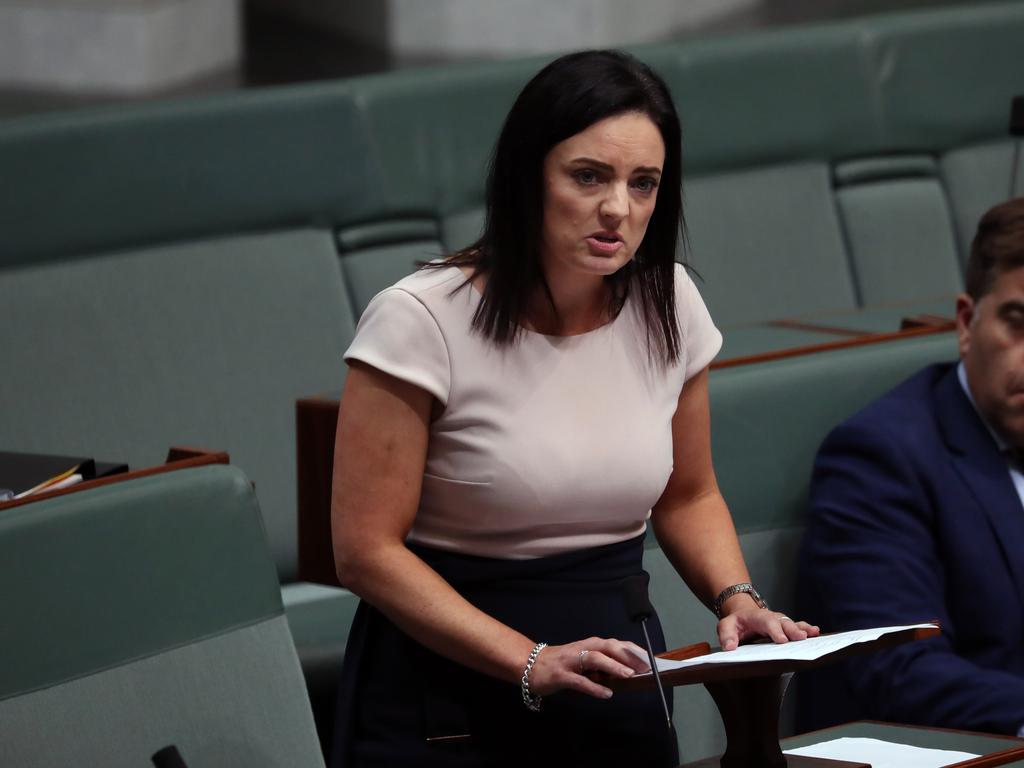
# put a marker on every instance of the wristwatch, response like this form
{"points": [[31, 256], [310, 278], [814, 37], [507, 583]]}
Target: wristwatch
{"points": [[736, 589]]}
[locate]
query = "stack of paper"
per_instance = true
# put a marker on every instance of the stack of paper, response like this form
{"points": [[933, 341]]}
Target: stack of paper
{"points": [[881, 754]]}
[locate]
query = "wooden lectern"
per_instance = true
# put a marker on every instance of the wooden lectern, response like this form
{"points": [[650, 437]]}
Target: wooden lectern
{"points": [[749, 696]]}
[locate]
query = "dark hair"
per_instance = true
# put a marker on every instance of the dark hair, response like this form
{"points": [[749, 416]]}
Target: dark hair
{"points": [[998, 246], [566, 97]]}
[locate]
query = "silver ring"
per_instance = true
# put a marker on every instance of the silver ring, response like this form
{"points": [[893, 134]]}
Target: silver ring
{"points": [[786, 618], [582, 654]]}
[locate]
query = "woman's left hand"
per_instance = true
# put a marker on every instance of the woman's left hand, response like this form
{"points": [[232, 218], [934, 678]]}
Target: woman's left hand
{"points": [[746, 623]]}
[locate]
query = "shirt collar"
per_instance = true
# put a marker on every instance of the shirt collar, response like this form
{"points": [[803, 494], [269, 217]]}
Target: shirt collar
{"points": [[961, 375]]}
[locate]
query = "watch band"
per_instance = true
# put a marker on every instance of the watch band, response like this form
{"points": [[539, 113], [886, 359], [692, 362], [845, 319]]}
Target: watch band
{"points": [[736, 589]]}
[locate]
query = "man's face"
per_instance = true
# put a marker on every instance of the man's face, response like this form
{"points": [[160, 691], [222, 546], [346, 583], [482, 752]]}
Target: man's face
{"points": [[991, 335]]}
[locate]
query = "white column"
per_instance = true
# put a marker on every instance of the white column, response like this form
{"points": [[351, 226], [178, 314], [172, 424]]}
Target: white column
{"points": [[507, 28], [115, 46]]}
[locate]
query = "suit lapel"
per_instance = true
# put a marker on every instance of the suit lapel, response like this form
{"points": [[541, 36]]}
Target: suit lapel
{"points": [[982, 467]]}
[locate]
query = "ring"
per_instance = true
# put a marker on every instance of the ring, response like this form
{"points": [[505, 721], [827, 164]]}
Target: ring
{"points": [[582, 654], [785, 618]]}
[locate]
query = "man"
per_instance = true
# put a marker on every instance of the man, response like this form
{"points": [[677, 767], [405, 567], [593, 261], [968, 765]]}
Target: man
{"points": [[916, 514]]}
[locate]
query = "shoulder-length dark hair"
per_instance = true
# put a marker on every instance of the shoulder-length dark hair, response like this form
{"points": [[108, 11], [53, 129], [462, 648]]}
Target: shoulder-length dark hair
{"points": [[566, 97]]}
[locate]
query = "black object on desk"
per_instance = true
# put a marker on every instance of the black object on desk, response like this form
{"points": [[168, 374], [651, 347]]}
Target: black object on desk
{"points": [[21, 471], [168, 757]]}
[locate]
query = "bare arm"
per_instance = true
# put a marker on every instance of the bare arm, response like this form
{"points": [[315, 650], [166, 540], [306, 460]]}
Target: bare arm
{"points": [[380, 453], [696, 532]]}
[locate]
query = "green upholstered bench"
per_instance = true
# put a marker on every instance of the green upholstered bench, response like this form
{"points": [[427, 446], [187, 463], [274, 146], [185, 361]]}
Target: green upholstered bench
{"points": [[142, 614]]}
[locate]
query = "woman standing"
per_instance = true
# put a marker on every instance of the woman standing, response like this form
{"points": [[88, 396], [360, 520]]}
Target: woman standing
{"points": [[512, 418]]}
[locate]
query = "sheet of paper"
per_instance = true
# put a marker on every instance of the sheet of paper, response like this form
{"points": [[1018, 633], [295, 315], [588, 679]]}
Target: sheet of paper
{"points": [[881, 754], [803, 650]]}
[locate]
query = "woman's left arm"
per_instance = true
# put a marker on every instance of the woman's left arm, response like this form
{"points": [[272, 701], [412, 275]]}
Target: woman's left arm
{"points": [[696, 532]]}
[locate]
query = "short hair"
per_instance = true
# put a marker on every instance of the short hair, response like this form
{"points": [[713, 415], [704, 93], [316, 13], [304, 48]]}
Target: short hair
{"points": [[566, 97], [998, 247]]}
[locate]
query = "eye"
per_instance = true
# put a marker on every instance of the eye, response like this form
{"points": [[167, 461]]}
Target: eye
{"points": [[646, 184], [1015, 320], [585, 176]]}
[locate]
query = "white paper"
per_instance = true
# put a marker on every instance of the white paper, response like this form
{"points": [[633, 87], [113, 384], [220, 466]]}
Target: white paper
{"points": [[881, 754], [799, 650]]}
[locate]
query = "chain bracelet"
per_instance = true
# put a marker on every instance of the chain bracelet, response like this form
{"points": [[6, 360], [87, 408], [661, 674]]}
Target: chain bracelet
{"points": [[532, 702]]}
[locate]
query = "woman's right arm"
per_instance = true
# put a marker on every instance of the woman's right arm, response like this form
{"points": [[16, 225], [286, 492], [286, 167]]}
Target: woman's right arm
{"points": [[379, 457]]}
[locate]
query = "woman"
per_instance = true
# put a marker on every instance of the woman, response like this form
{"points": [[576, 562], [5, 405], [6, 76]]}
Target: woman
{"points": [[512, 417]]}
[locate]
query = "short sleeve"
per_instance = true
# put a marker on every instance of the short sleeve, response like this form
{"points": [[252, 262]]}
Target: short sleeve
{"points": [[701, 339], [397, 334]]}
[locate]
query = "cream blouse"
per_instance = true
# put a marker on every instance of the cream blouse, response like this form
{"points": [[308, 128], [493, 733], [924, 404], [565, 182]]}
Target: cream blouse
{"points": [[553, 444]]}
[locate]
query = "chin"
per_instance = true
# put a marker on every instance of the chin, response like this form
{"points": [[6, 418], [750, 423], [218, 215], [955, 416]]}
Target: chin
{"points": [[598, 265], [1011, 430]]}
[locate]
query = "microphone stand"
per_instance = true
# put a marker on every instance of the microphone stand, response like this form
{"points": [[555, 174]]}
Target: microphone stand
{"points": [[638, 604]]}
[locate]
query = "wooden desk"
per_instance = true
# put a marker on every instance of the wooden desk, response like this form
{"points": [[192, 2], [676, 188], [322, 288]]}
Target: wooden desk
{"points": [[993, 749]]}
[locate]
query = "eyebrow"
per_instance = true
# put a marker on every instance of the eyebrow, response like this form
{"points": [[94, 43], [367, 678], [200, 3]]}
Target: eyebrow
{"points": [[1013, 305], [605, 167]]}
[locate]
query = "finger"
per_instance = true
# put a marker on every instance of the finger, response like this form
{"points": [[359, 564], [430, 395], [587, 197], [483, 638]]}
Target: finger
{"points": [[625, 652], [793, 630], [597, 661], [728, 634], [585, 685], [776, 632], [812, 630]]}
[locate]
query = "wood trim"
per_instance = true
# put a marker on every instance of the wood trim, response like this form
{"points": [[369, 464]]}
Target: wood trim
{"points": [[1002, 757], [799, 325], [316, 420], [195, 458], [687, 652], [828, 346]]}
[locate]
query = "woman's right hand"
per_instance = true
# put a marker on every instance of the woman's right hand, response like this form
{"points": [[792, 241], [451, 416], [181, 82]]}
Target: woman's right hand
{"points": [[566, 667]]}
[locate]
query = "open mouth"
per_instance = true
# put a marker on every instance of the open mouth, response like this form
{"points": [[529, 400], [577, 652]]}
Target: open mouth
{"points": [[604, 245]]}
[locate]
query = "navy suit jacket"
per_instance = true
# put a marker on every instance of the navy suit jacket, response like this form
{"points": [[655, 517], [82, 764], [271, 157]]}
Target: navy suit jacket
{"points": [[914, 517]]}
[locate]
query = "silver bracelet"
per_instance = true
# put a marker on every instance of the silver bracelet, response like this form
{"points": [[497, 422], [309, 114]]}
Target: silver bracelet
{"points": [[532, 702]]}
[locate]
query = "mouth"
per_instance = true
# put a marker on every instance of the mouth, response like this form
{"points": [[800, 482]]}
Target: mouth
{"points": [[604, 243]]}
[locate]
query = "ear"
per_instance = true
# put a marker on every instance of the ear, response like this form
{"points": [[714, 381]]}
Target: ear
{"points": [[965, 308]]}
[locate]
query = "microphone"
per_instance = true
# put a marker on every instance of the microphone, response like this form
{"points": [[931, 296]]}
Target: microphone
{"points": [[168, 757], [639, 608], [1017, 130]]}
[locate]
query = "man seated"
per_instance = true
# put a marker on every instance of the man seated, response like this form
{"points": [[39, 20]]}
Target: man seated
{"points": [[916, 514]]}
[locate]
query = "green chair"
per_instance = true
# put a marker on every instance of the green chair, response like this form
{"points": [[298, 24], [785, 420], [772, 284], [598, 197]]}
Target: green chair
{"points": [[143, 614]]}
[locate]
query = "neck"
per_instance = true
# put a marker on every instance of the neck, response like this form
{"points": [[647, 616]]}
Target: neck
{"points": [[580, 304]]}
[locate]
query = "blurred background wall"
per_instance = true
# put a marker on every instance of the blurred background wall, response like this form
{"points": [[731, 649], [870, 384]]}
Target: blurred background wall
{"points": [[57, 54]]}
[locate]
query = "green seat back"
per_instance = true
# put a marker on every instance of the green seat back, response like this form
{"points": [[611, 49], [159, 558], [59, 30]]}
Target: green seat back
{"points": [[147, 613], [207, 344]]}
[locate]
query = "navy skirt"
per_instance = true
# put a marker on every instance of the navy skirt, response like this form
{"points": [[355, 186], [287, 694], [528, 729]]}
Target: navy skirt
{"points": [[400, 704]]}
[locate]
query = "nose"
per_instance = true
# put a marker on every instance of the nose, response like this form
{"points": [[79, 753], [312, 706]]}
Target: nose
{"points": [[615, 205]]}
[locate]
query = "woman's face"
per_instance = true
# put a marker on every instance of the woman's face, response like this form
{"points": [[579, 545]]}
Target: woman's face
{"points": [[600, 187]]}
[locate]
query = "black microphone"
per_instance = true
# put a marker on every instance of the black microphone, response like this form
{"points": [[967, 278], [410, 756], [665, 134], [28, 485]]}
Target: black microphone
{"points": [[1017, 130], [639, 608], [168, 757]]}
